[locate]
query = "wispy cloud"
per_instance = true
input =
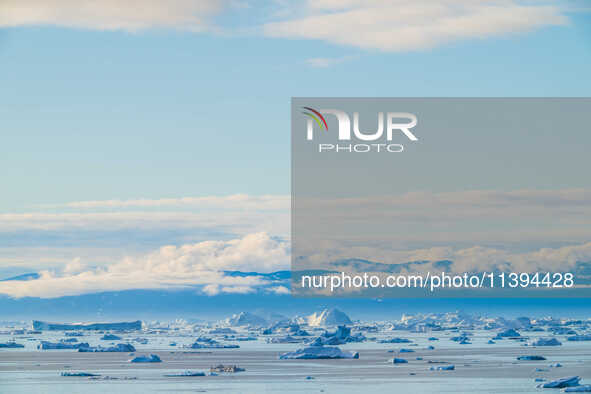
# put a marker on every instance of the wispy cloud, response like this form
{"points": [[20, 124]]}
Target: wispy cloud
{"points": [[325, 62], [399, 25], [129, 15], [408, 25]]}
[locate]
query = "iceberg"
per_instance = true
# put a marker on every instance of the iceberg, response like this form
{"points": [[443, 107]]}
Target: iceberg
{"points": [[579, 338], [185, 374], [585, 388], [152, 358], [45, 345], [226, 368], [545, 342], [341, 336], [508, 333], [443, 368], [246, 319], [395, 340], [399, 361], [329, 318], [11, 345], [285, 339], [222, 330], [120, 347], [41, 325], [208, 343], [79, 374], [318, 352], [531, 358], [110, 337], [561, 383]]}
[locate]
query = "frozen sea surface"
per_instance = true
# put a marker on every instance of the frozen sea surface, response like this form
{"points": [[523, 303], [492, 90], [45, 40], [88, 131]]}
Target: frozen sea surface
{"points": [[479, 367]]}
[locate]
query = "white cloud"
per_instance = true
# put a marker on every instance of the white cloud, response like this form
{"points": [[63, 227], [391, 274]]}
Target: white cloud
{"points": [[406, 25], [186, 266], [130, 15], [279, 290], [241, 201], [325, 62]]}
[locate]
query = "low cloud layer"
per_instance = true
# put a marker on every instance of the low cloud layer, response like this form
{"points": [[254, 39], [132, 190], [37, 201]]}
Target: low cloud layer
{"points": [[199, 265]]}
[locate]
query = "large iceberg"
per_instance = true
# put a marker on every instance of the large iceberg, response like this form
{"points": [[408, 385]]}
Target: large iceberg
{"points": [[329, 318], [341, 336], [120, 347], [246, 319], [318, 352], [46, 345], [208, 343], [41, 325], [561, 383]]}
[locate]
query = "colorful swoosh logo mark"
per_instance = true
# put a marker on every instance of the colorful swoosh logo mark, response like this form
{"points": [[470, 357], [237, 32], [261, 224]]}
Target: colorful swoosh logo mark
{"points": [[317, 116]]}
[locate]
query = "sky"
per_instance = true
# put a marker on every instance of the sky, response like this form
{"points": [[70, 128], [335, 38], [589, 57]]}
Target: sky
{"points": [[132, 129]]}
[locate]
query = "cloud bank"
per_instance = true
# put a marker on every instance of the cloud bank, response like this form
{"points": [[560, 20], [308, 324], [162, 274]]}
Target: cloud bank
{"points": [[406, 25], [129, 15], [200, 265], [385, 25]]}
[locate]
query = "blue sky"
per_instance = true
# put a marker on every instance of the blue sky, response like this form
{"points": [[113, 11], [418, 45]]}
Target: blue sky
{"points": [[193, 100]]}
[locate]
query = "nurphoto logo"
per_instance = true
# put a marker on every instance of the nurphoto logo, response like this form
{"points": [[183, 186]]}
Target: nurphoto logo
{"points": [[397, 123]]}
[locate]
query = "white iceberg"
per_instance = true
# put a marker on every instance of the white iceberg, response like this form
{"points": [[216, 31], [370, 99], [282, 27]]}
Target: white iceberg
{"points": [[246, 319], [570, 381], [318, 352], [329, 318]]}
